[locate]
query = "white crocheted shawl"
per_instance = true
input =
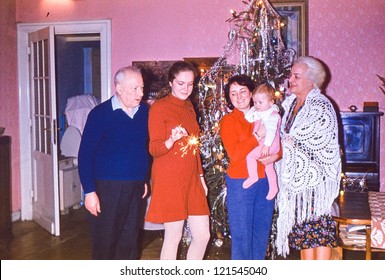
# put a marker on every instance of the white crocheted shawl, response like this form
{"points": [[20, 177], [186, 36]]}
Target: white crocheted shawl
{"points": [[310, 166]]}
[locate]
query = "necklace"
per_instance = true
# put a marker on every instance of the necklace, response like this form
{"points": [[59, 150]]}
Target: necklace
{"points": [[291, 116]]}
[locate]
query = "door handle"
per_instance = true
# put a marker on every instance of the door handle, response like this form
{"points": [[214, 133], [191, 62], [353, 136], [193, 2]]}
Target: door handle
{"points": [[49, 129]]}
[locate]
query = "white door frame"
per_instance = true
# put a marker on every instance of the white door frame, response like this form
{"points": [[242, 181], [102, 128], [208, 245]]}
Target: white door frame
{"points": [[72, 27]]}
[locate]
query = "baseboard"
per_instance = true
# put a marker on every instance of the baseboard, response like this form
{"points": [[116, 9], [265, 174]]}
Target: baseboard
{"points": [[16, 216]]}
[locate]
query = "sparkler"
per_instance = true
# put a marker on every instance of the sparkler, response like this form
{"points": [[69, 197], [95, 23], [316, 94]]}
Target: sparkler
{"points": [[192, 143]]}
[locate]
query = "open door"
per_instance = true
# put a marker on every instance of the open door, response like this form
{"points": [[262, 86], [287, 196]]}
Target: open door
{"points": [[46, 208], [36, 201]]}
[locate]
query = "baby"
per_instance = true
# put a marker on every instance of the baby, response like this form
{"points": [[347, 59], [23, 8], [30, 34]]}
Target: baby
{"points": [[264, 112]]}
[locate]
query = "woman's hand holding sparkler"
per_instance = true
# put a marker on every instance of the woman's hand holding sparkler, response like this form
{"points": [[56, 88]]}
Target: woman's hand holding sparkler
{"points": [[176, 134]]}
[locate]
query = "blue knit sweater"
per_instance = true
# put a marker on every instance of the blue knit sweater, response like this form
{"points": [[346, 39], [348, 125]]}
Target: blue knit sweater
{"points": [[114, 146]]}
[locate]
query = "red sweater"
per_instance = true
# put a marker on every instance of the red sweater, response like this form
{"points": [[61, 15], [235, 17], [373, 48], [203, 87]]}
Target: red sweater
{"points": [[238, 140]]}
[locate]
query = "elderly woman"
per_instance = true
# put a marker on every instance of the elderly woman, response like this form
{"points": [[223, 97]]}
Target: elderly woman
{"points": [[310, 169]]}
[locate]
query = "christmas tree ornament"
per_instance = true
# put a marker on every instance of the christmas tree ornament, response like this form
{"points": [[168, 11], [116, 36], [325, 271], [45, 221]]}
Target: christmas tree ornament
{"points": [[218, 242]]}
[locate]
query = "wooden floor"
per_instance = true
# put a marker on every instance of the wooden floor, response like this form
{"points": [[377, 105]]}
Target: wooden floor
{"points": [[31, 242]]}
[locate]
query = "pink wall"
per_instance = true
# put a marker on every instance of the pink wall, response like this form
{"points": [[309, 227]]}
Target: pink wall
{"points": [[348, 35], [146, 29], [9, 109]]}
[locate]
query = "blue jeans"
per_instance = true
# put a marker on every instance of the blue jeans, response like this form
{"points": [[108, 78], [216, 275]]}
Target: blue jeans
{"points": [[250, 218]]}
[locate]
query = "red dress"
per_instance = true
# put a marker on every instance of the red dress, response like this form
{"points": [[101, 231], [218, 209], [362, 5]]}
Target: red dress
{"points": [[177, 191]]}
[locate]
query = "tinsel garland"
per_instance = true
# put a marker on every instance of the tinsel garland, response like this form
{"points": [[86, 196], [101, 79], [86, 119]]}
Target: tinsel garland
{"points": [[357, 184]]}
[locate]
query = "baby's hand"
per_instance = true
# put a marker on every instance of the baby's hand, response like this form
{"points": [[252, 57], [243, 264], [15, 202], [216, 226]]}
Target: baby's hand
{"points": [[261, 130], [265, 151]]}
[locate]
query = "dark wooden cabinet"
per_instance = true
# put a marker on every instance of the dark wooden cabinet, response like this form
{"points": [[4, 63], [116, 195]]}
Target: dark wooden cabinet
{"points": [[5, 190], [361, 146]]}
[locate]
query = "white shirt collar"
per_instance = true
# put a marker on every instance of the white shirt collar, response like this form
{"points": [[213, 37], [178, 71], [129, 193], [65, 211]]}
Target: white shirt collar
{"points": [[117, 105]]}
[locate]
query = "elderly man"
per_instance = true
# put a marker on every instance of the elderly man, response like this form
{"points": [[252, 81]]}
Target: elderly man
{"points": [[113, 167]]}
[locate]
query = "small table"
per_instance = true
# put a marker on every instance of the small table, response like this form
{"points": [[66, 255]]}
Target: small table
{"points": [[354, 210]]}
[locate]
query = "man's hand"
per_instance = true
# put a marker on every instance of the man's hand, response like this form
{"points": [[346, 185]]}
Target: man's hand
{"points": [[145, 190], [92, 203]]}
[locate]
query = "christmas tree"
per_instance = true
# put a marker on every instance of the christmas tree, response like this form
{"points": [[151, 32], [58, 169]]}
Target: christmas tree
{"points": [[254, 48]]}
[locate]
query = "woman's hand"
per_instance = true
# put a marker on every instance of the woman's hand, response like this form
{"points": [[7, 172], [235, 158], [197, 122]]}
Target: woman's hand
{"points": [[204, 185], [269, 159], [176, 134]]}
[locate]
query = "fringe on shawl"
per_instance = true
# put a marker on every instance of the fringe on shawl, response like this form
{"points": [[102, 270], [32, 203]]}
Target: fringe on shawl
{"points": [[298, 208]]}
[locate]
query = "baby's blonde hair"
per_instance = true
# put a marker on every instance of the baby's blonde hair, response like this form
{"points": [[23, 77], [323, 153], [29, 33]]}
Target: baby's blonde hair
{"points": [[265, 89]]}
